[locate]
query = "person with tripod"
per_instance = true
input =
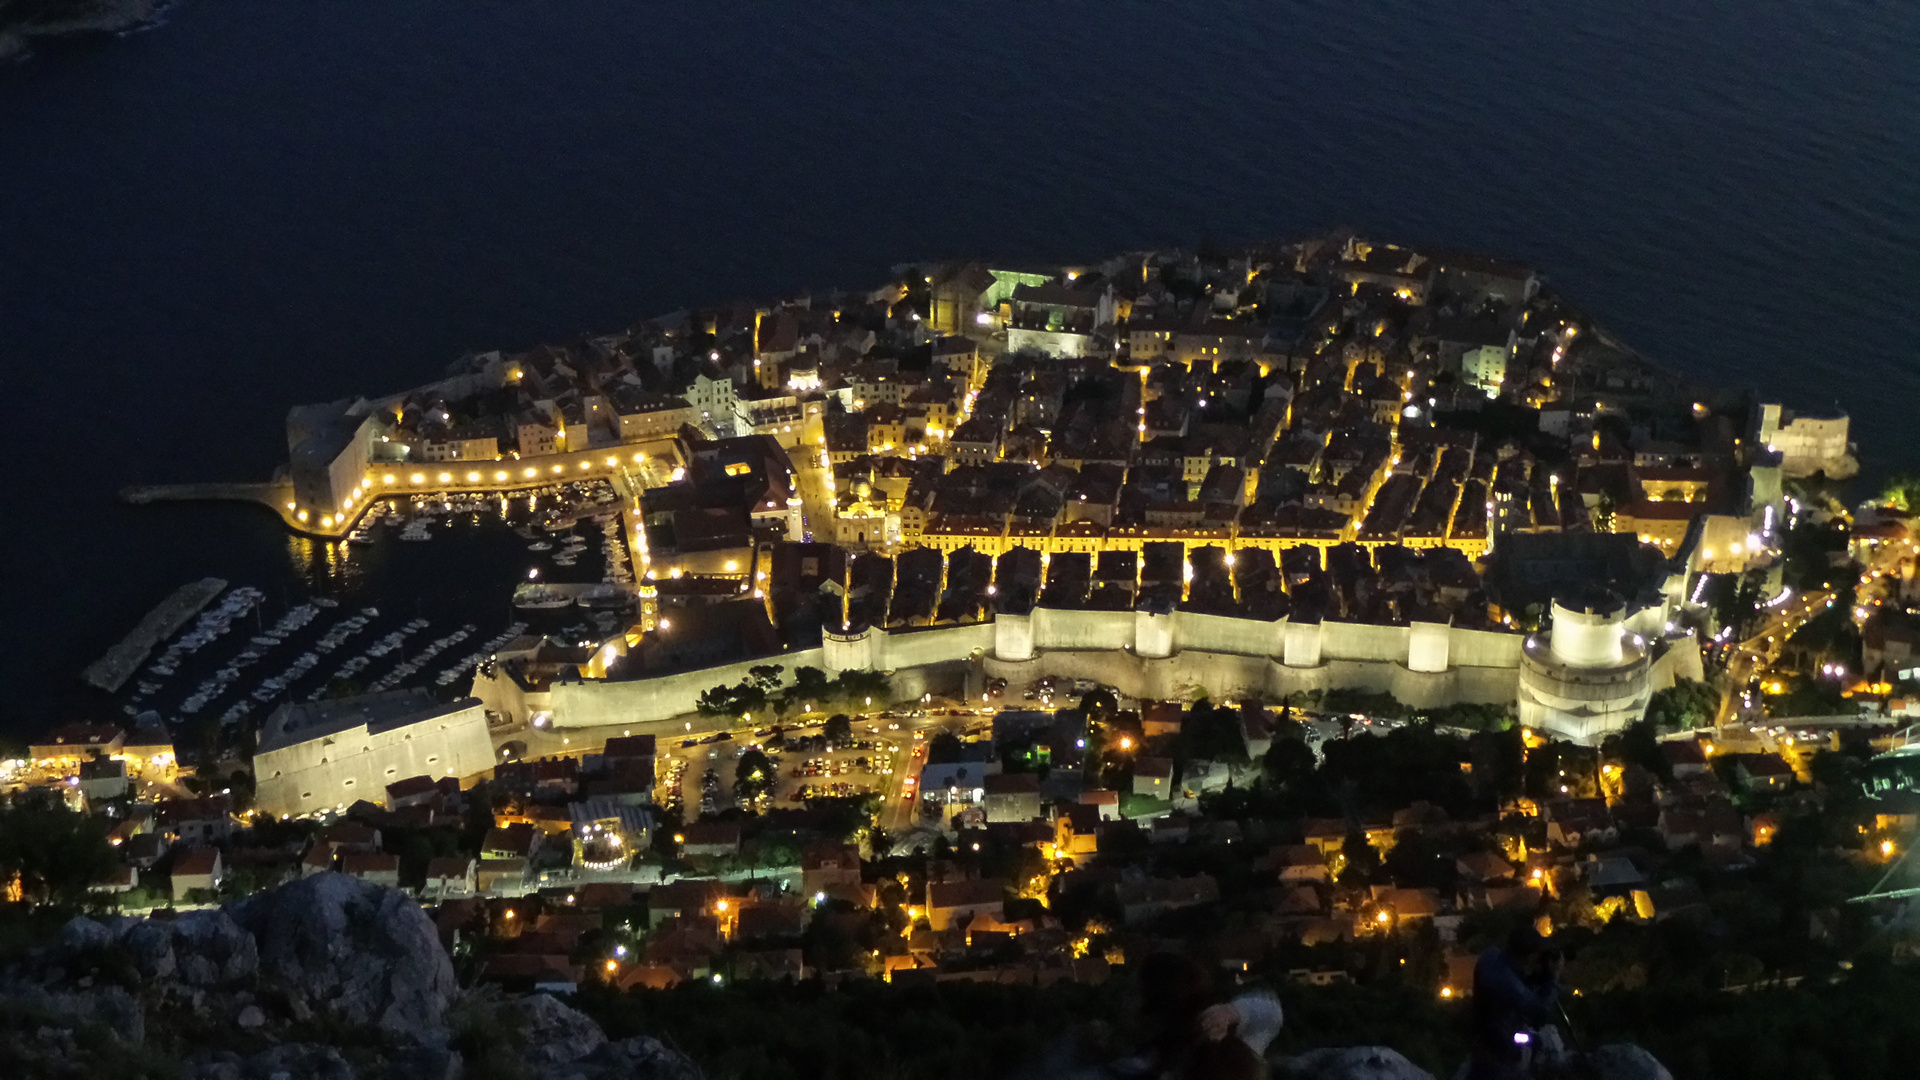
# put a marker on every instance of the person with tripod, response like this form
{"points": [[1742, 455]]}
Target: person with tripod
{"points": [[1516, 990]]}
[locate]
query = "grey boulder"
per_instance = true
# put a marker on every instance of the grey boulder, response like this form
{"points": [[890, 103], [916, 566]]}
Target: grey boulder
{"points": [[638, 1058], [556, 1033], [211, 950], [1625, 1061], [106, 1009], [1350, 1063], [82, 935], [364, 952], [150, 949], [298, 1061]]}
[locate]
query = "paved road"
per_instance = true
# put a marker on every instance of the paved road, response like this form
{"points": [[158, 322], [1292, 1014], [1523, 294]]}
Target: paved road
{"points": [[1762, 650]]}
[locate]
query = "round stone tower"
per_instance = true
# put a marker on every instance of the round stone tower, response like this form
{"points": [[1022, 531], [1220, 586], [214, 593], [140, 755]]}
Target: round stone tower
{"points": [[1587, 674]]}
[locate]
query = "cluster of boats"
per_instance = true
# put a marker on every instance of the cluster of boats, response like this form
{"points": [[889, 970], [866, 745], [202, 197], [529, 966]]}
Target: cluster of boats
{"points": [[212, 623], [569, 549], [214, 685], [473, 660], [345, 629], [397, 638], [410, 667], [619, 568]]}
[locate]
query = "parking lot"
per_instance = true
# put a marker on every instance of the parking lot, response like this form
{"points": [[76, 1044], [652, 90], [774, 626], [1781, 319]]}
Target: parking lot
{"points": [[701, 776]]}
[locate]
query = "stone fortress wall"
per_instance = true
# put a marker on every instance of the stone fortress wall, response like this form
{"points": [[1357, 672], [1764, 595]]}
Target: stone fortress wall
{"points": [[1146, 655]]}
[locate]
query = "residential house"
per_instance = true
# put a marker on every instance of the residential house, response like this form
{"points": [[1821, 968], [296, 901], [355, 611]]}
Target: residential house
{"points": [[351, 837], [684, 899], [1142, 901], [710, 839], [955, 903], [1103, 800], [1153, 776], [1687, 757], [120, 879], [1763, 772], [206, 820], [1012, 797], [1482, 867], [1572, 822], [517, 841], [102, 779], [829, 868], [198, 869], [376, 869], [451, 877], [1076, 831], [1294, 863], [1711, 823], [412, 791], [319, 859]]}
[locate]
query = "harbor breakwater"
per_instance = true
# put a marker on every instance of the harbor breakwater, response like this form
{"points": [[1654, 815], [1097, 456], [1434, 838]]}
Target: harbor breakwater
{"points": [[119, 663]]}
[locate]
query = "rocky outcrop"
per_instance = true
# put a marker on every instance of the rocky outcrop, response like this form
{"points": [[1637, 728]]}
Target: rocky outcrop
{"points": [[80, 16], [1624, 1061], [211, 951], [328, 977], [638, 1058], [556, 1033], [20, 23], [1350, 1063], [1620, 1061], [364, 953]]}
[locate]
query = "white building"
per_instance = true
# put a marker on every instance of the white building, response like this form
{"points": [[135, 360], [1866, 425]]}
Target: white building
{"points": [[320, 755]]}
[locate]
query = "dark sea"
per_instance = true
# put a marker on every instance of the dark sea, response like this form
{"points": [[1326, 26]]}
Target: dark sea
{"points": [[279, 201]]}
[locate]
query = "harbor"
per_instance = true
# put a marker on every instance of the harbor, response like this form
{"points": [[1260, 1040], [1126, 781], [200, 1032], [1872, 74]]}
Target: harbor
{"points": [[421, 592]]}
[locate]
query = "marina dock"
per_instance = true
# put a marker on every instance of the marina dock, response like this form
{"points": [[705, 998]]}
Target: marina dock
{"points": [[269, 494], [119, 663]]}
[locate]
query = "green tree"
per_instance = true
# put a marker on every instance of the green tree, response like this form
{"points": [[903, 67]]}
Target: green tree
{"points": [[1099, 705], [753, 775], [944, 747], [863, 689], [1902, 492], [1289, 763], [57, 853], [838, 729], [1683, 706], [1212, 734], [1363, 862], [810, 687], [1639, 744]]}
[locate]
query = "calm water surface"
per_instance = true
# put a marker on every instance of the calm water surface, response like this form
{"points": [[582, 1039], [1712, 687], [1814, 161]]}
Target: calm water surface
{"points": [[280, 201]]}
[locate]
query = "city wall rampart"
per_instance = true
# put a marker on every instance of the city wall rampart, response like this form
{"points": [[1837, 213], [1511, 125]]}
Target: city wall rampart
{"points": [[1181, 655]]}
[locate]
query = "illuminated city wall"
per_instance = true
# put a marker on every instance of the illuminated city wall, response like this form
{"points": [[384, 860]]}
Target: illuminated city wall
{"points": [[1153, 656]]}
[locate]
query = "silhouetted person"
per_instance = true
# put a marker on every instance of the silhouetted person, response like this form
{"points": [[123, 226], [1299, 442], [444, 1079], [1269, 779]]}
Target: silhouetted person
{"points": [[1515, 990]]}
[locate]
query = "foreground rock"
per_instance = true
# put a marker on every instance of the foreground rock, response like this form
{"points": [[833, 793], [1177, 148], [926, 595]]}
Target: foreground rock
{"points": [[86, 16], [60, 18], [363, 953], [1350, 1063], [1620, 1061], [328, 977]]}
